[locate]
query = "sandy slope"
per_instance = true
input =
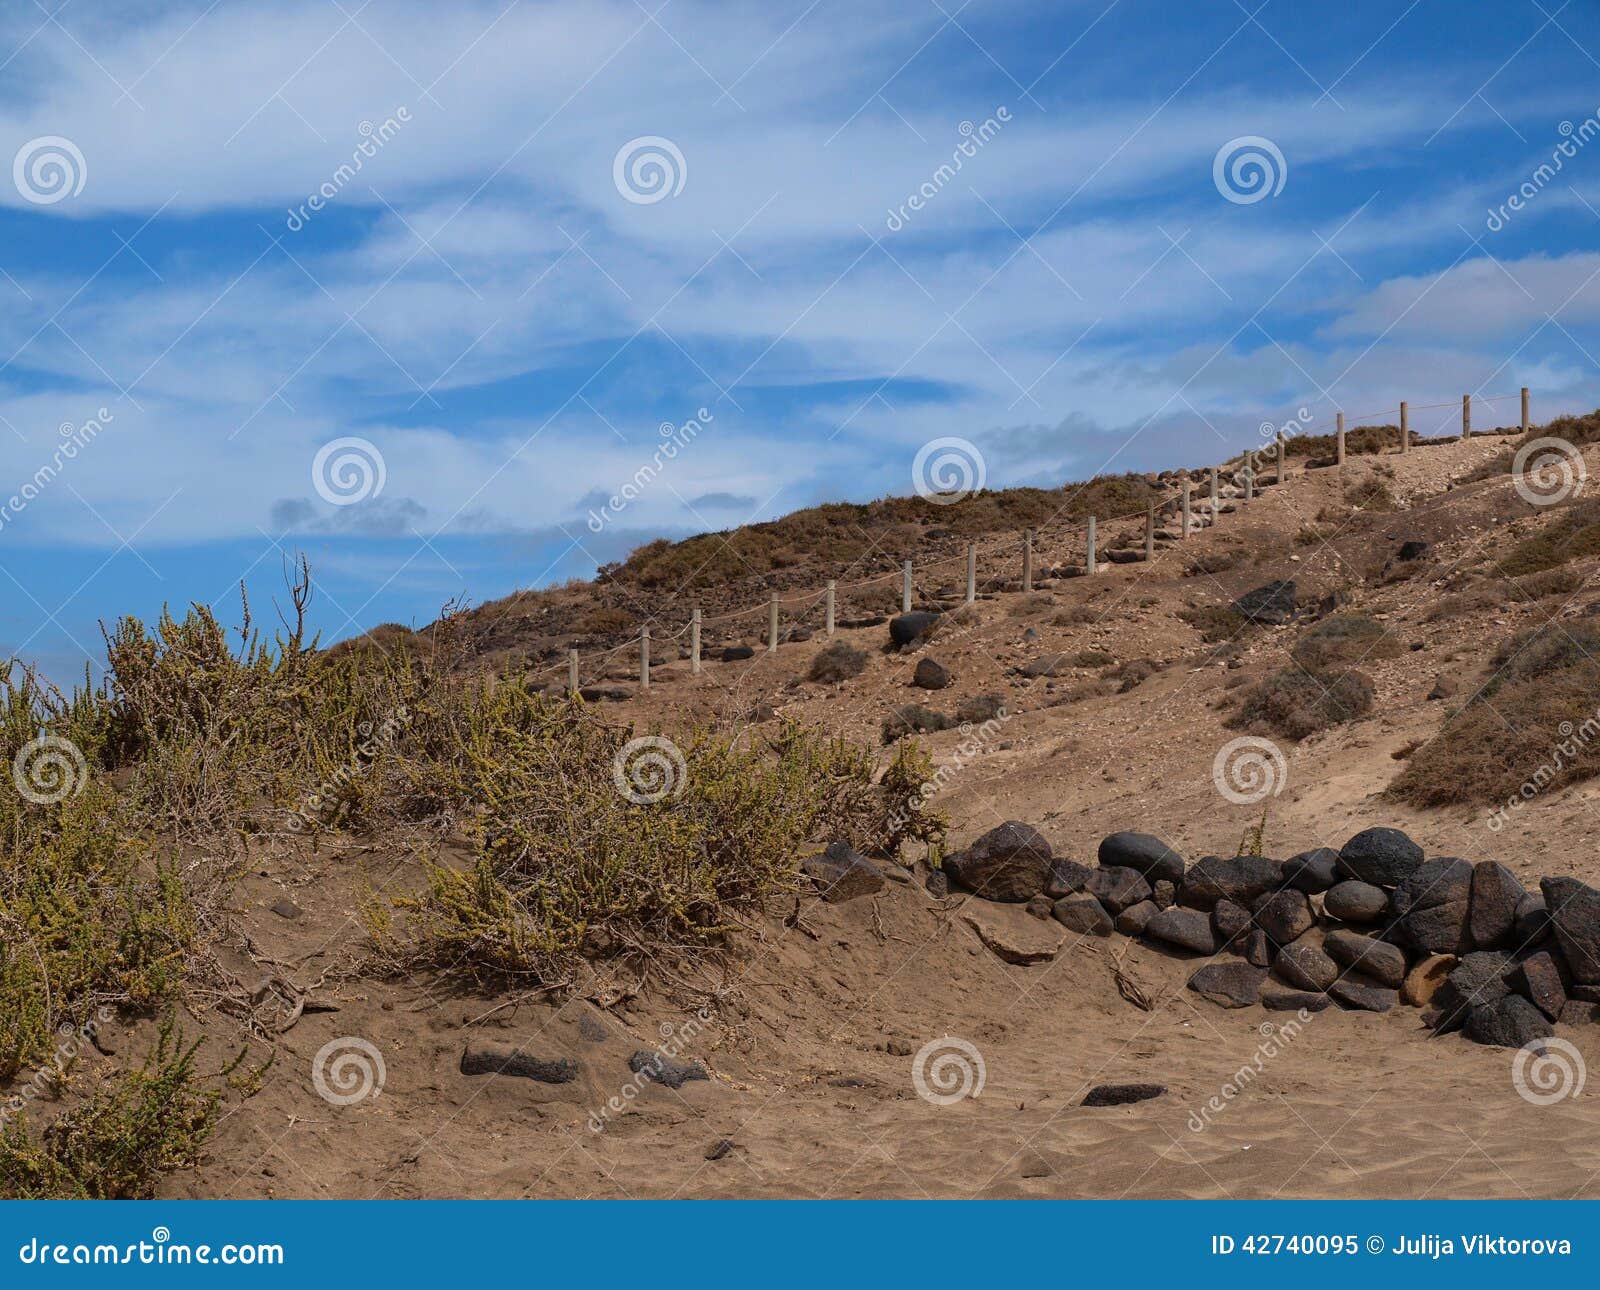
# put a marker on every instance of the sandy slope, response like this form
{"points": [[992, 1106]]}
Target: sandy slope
{"points": [[804, 1083]]}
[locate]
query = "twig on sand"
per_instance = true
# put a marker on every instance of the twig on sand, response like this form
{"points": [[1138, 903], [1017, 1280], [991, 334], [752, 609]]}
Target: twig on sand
{"points": [[793, 919], [1127, 987]]}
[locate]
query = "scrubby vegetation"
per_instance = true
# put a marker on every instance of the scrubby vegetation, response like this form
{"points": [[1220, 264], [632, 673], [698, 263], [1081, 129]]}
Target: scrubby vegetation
{"points": [[119, 853], [1358, 440], [1533, 721], [1297, 703], [837, 662], [1573, 533], [1344, 639]]}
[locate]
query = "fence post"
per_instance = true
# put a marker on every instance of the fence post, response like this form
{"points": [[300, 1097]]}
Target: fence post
{"points": [[694, 642], [1338, 447], [772, 624], [905, 589], [1183, 533], [1150, 531], [833, 594], [1089, 563], [1466, 416], [1216, 497], [1283, 451], [644, 658], [1249, 477], [1405, 426], [1027, 559], [1524, 409], [972, 572], [572, 671]]}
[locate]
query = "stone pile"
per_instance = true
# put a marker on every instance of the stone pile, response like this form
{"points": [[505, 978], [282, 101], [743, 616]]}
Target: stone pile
{"points": [[1369, 926]]}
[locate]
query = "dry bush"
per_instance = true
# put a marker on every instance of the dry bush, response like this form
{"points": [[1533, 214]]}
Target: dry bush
{"points": [[980, 708], [1132, 674], [1093, 658], [1032, 605], [1075, 616], [1296, 703], [1215, 562], [1358, 441], [1345, 639], [1216, 622], [913, 719], [838, 662], [1370, 494], [1573, 533]]}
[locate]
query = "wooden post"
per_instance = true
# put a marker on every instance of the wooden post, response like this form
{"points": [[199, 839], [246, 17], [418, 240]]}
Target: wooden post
{"points": [[905, 589], [644, 658], [1405, 426], [1183, 533], [772, 624], [1524, 409], [1466, 416], [1216, 496], [972, 572], [833, 596], [694, 642], [1338, 447], [572, 671], [1150, 531], [1027, 559], [1283, 451], [1089, 563]]}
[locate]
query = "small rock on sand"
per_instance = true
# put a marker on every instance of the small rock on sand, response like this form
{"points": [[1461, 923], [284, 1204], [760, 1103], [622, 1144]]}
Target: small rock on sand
{"points": [[501, 1059], [1121, 1094], [1229, 985]]}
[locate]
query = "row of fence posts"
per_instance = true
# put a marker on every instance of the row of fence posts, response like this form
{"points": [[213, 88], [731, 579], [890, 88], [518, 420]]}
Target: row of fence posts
{"points": [[1091, 558]]}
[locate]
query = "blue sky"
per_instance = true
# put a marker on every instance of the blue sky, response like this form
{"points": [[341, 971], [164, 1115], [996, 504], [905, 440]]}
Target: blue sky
{"points": [[504, 311]]}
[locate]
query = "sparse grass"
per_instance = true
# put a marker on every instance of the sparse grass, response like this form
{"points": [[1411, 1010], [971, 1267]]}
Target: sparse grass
{"points": [[1075, 616], [837, 662], [1296, 703], [1358, 441], [1345, 639], [1370, 494], [1573, 533], [1215, 562], [1093, 658], [1216, 622]]}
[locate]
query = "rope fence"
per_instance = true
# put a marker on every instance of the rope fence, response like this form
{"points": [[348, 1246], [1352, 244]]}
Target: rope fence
{"points": [[1193, 514]]}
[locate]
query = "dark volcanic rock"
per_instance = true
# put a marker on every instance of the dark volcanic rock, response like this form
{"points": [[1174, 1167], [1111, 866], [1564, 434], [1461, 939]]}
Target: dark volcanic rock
{"points": [[1164, 893], [1433, 882], [1312, 871], [1187, 929], [1272, 604], [930, 675], [1538, 980], [1008, 863], [1496, 894], [1121, 1094], [733, 653], [1510, 1022], [659, 1069], [1414, 550], [907, 629], [1575, 920], [1065, 877], [1280, 1000], [1229, 985], [1117, 888], [1365, 996], [501, 1059], [1477, 980], [1356, 902], [1142, 851], [1383, 962], [1533, 921], [1383, 857], [1439, 930], [1230, 922], [1135, 918], [1047, 665], [1306, 966], [1257, 948], [1237, 878], [841, 874], [1083, 913], [938, 883], [1285, 916]]}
